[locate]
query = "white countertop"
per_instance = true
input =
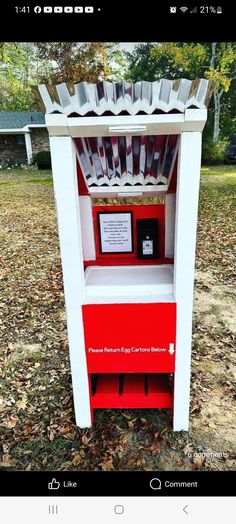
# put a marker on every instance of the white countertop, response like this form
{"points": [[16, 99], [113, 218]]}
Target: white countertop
{"points": [[128, 280]]}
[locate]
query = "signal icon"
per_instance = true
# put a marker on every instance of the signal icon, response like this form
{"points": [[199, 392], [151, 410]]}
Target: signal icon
{"points": [[184, 9], [194, 10]]}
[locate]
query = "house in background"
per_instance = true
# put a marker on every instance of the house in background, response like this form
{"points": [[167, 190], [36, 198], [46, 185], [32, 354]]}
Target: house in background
{"points": [[22, 134]]}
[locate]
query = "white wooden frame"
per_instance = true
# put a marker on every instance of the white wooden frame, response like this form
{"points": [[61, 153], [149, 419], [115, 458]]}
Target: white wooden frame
{"points": [[191, 120], [68, 215], [188, 178], [170, 199], [63, 129]]}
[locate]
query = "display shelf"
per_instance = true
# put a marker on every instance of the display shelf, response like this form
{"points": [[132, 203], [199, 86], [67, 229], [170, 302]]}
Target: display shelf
{"points": [[128, 299], [131, 391], [128, 280], [127, 261]]}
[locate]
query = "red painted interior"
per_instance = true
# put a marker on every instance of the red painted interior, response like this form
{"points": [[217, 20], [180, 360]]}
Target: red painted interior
{"points": [[138, 391], [133, 330], [145, 375], [173, 180], [83, 190], [142, 211], [122, 261], [82, 187]]}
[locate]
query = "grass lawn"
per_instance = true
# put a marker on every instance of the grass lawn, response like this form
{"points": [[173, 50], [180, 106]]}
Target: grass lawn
{"points": [[37, 430], [216, 226]]}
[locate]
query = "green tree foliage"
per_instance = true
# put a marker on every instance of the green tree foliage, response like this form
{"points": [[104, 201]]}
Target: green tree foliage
{"points": [[75, 62], [142, 66], [181, 59], [23, 65], [20, 68], [222, 71], [153, 61], [216, 61]]}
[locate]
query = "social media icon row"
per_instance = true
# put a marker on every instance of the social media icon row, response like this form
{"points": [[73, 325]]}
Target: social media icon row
{"points": [[64, 9]]}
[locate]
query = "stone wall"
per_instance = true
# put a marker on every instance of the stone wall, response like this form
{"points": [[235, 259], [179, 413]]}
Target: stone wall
{"points": [[11, 152], [39, 140]]}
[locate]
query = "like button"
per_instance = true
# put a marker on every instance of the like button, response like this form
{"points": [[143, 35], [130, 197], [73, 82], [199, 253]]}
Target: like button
{"points": [[54, 484]]}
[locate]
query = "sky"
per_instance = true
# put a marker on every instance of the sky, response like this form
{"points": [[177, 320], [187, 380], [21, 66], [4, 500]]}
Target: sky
{"points": [[128, 46]]}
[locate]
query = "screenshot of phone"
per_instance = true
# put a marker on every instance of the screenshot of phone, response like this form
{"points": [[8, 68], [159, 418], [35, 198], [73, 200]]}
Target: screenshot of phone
{"points": [[117, 206]]}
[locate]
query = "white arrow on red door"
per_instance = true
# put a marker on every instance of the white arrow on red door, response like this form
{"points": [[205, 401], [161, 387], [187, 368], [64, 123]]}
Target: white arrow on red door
{"points": [[171, 349]]}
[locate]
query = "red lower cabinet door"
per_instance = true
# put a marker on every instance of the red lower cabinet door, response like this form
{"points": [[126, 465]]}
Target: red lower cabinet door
{"points": [[130, 338]]}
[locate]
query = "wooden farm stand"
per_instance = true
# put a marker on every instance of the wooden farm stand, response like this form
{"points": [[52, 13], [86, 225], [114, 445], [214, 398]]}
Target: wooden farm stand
{"points": [[126, 168]]}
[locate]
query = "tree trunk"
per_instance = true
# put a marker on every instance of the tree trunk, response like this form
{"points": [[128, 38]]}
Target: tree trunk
{"points": [[217, 101], [216, 128], [213, 54]]}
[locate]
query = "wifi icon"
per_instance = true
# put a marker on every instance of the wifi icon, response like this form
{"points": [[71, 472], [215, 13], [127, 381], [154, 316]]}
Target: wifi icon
{"points": [[184, 9]]}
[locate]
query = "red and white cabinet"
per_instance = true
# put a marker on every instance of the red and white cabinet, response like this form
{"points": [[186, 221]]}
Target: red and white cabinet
{"points": [[126, 178]]}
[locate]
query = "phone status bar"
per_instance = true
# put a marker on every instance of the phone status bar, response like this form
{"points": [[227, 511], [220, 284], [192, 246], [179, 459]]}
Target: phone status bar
{"points": [[203, 9], [59, 9]]}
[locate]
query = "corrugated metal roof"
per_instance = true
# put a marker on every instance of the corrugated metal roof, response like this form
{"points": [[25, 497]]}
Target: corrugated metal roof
{"points": [[120, 161], [20, 119], [116, 97]]}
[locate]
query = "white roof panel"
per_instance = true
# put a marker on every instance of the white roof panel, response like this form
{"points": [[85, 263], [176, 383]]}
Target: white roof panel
{"points": [[118, 97]]}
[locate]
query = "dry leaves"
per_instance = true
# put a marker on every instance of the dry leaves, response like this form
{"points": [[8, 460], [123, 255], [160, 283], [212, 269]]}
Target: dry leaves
{"points": [[198, 461], [37, 427]]}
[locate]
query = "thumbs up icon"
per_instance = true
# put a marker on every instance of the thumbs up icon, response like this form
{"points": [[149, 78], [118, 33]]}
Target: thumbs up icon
{"points": [[54, 484]]}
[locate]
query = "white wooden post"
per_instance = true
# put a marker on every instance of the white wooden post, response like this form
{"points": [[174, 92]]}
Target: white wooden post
{"points": [[28, 146], [67, 202], [189, 164], [169, 224], [87, 229]]}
